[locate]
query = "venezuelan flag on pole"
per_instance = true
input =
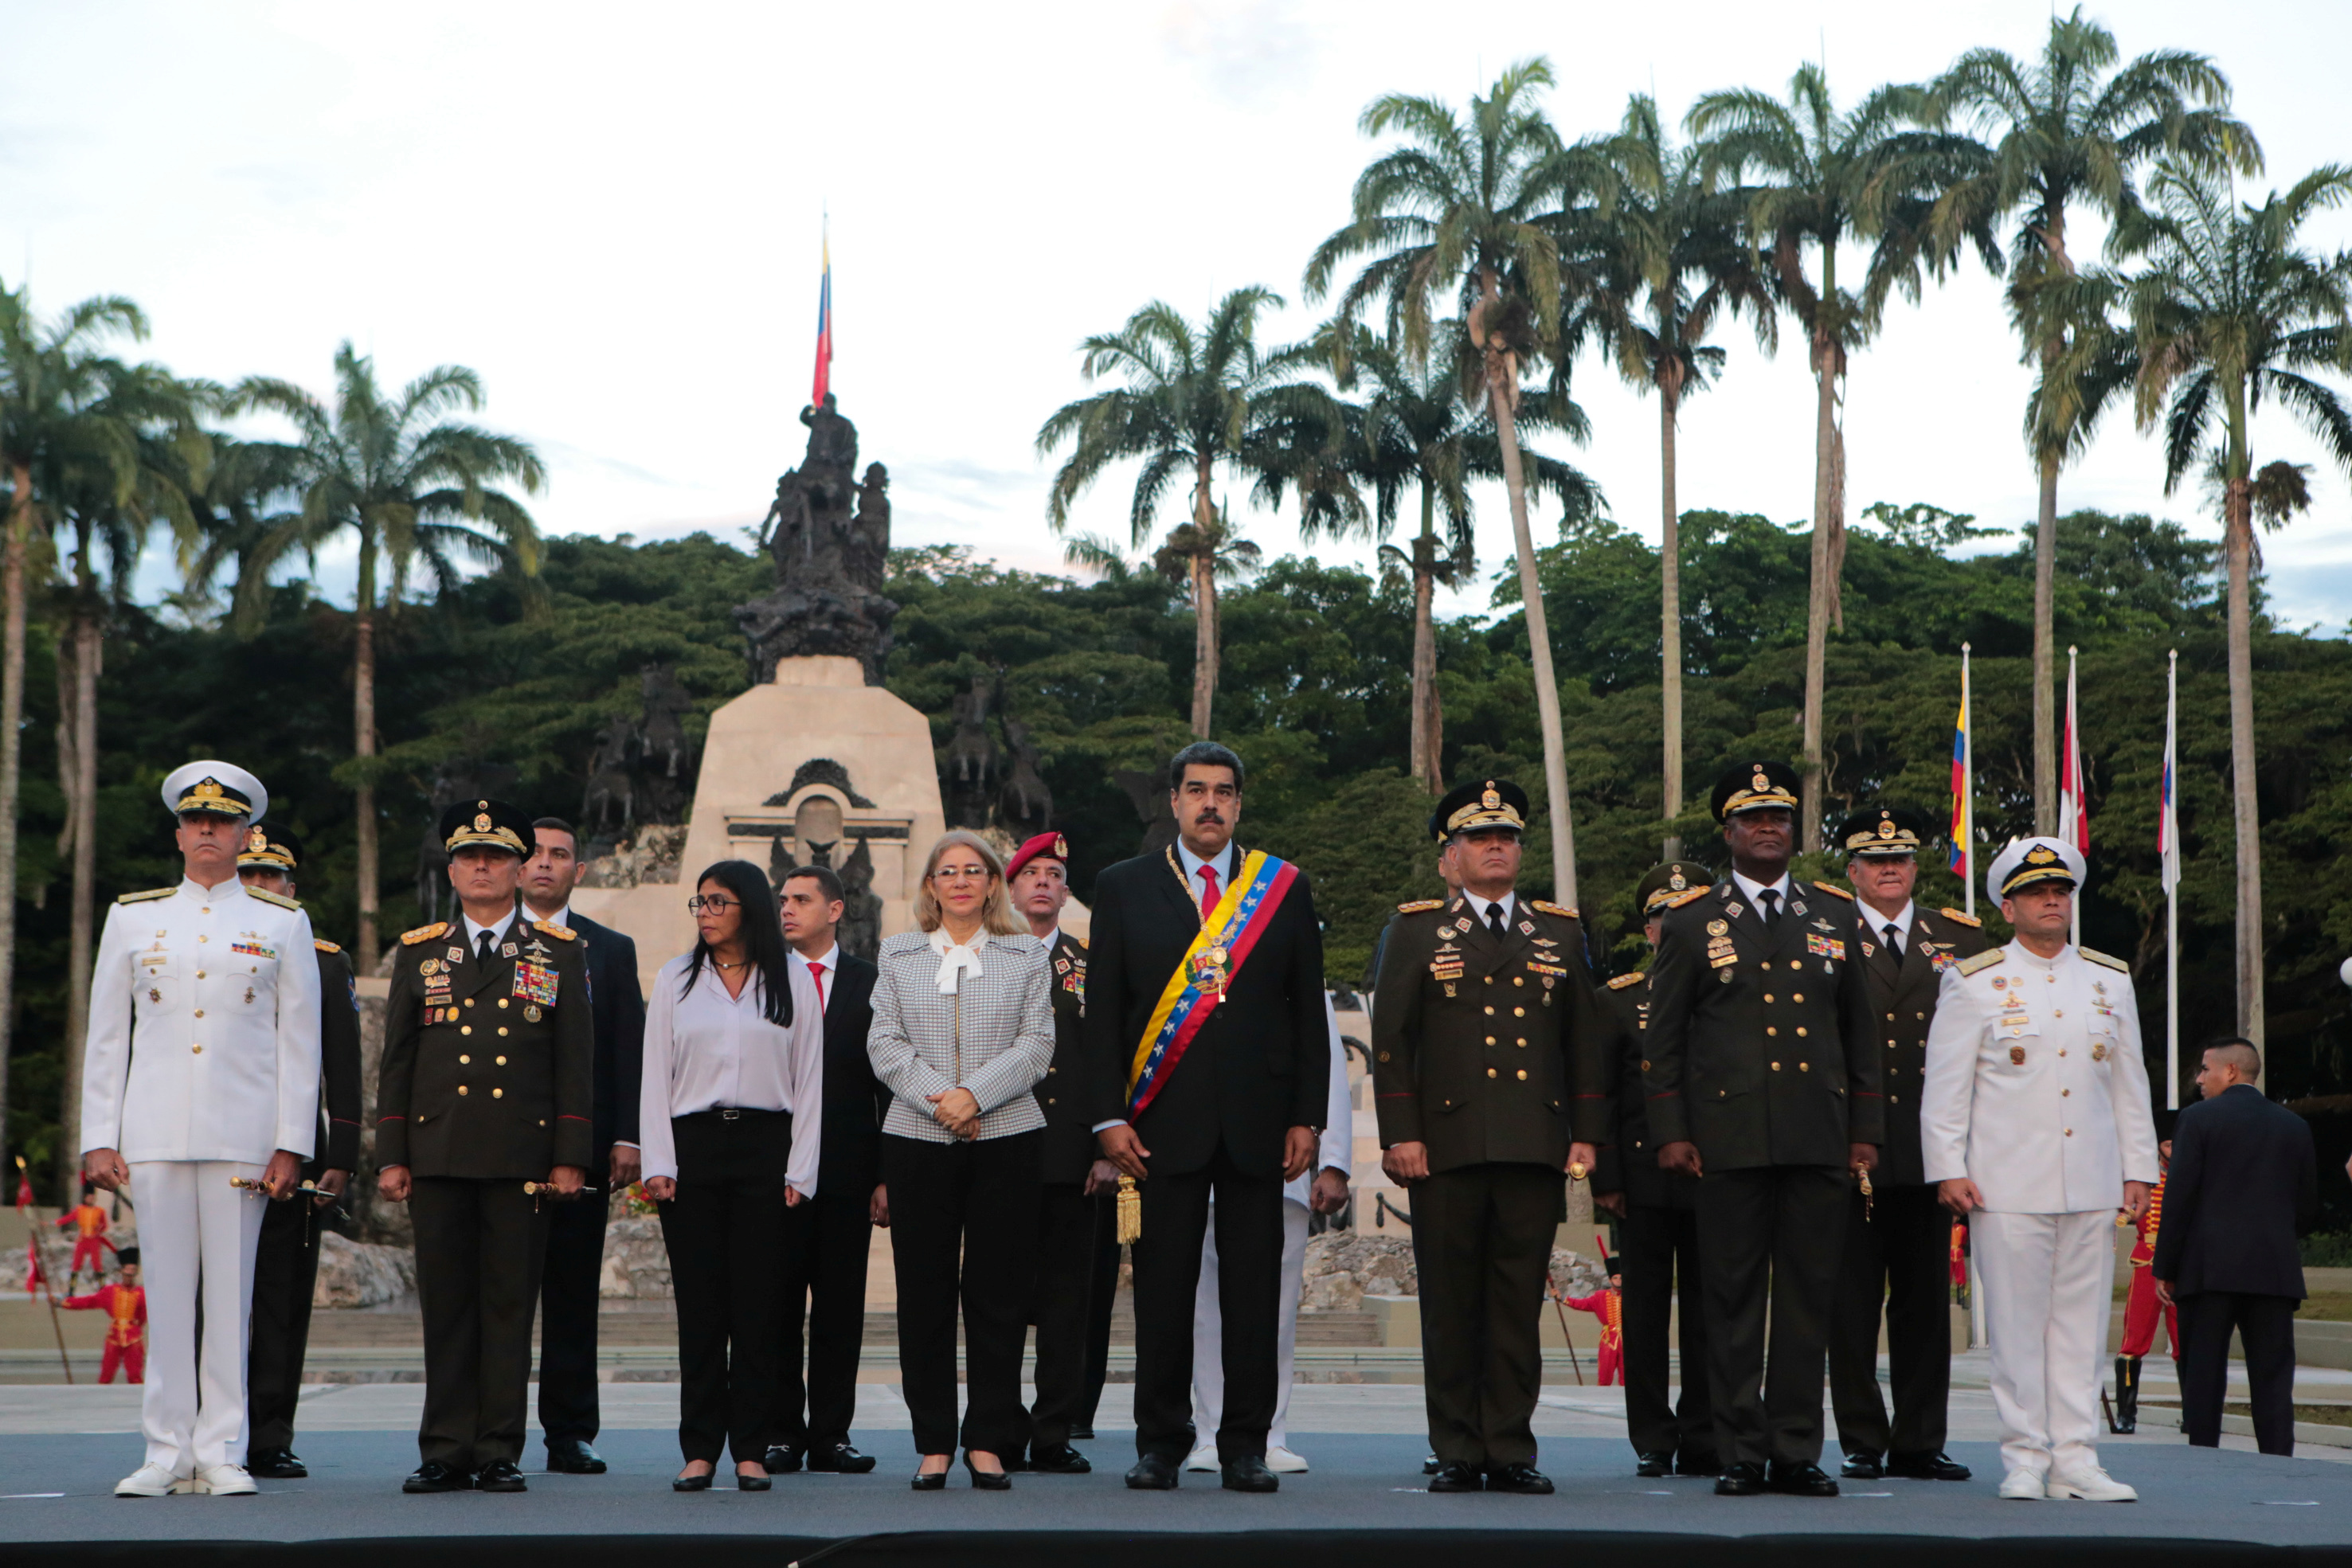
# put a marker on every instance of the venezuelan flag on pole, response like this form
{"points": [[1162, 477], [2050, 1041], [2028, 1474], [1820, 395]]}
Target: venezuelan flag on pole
{"points": [[1964, 816], [824, 328]]}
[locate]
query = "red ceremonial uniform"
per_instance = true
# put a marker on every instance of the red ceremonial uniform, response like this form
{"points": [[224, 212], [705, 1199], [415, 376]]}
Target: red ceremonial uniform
{"points": [[1607, 1304], [88, 1222], [2140, 1303], [126, 1330]]}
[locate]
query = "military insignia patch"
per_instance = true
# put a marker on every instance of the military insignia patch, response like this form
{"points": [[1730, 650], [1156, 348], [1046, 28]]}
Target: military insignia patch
{"points": [[1621, 981], [532, 1014], [508, 950], [534, 982], [1718, 927], [1825, 946], [2098, 1050], [2017, 1056]]}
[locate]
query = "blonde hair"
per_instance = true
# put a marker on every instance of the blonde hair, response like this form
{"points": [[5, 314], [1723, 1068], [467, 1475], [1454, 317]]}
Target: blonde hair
{"points": [[995, 913]]}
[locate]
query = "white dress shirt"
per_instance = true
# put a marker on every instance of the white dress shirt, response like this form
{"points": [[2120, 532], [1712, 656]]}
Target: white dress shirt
{"points": [[1874, 925], [707, 1050], [1750, 888], [474, 931], [1478, 907], [831, 959]]}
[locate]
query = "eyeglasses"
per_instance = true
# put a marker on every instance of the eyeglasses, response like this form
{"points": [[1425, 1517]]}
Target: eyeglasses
{"points": [[711, 905], [960, 873]]}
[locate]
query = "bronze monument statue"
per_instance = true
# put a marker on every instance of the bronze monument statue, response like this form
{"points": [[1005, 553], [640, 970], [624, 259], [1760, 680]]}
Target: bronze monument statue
{"points": [[830, 560]]}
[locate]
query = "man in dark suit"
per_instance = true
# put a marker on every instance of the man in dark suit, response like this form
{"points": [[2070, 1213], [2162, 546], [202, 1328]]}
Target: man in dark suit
{"points": [[286, 1260], [2245, 1182], [1237, 1113], [1763, 1080], [1658, 1224], [1898, 1239], [570, 1286], [829, 1238], [487, 1089], [1487, 1078]]}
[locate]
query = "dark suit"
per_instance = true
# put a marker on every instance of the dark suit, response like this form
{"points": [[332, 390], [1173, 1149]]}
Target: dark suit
{"points": [[1898, 1246], [572, 1279], [1761, 1054], [1069, 1222], [1258, 1067], [2243, 1183], [286, 1260], [829, 1237], [484, 1086], [1658, 1256]]}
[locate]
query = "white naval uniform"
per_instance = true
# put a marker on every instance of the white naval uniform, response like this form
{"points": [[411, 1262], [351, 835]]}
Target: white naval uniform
{"points": [[2036, 1091], [203, 1060]]}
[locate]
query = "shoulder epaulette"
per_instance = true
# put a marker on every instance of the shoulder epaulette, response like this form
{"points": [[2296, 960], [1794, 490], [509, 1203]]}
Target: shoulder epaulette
{"points": [[1682, 898], [561, 933], [143, 897], [323, 945], [1079, 943], [1984, 960], [1963, 919], [423, 934], [1833, 888], [2099, 958], [1421, 905], [280, 901], [1548, 907], [1621, 981]]}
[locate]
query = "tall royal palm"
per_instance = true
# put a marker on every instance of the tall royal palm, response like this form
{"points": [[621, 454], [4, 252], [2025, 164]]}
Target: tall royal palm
{"points": [[2232, 309], [416, 493], [1814, 179], [1197, 399], [1668, 261], [1464, 211], [2068, 131]]}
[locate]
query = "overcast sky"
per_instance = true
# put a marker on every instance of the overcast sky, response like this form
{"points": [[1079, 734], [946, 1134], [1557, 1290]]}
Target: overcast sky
{"points": [[612, 213]]}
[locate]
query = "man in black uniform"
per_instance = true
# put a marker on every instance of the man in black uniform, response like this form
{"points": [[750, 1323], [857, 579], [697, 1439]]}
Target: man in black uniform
{"points": [[1488, 1080], [1658, 1234], [286, 1260], [1898, 1239], [487, 1089], [1763, 1081]]}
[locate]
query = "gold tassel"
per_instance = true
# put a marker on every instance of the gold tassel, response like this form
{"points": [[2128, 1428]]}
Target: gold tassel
{"points": [[1130, 1211]]}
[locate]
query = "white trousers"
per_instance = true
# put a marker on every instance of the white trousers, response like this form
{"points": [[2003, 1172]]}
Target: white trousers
{"points": [[2049, 1285], [194, 1227], [1209, 1338]]}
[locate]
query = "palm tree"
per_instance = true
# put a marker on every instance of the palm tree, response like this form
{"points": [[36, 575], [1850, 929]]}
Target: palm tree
{"points": [[1466, 209], [1668, 261], [2232, 309], [1813, 178], [1197, 400], [2069, 129], [414, 491]]}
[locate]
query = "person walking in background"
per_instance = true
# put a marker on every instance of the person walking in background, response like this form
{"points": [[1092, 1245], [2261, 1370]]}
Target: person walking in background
{"points": [[570, 1281], [825, 1265], [730, 1113], [2244, 1183], [963, 1030], [2143, 1307]]}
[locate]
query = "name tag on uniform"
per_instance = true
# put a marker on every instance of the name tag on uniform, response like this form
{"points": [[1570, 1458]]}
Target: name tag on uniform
{"points": [[534, 982], [1825, 946]]}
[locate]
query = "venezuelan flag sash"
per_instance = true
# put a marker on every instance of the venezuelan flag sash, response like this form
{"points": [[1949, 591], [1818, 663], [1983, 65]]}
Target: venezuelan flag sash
{"points": [[1226, 939]]}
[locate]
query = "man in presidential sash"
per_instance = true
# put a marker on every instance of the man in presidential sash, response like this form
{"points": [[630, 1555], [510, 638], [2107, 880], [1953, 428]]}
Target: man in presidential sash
{"points": [[1206, 1036]]}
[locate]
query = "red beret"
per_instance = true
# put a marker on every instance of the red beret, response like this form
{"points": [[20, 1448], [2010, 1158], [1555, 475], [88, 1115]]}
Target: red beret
{"points": [[1048, 846]]}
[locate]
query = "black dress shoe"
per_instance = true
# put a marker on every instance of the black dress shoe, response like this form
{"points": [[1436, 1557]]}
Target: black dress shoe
{"points": [[500, 1475], [1740, 1478], [1863, 1467], [1523, 1478], [1697, 1464], [935, 1481], [1062, 1461], [433, 1476], [691, 1483], [276, 1465], [1154, 1472], [1801, 1480], [574, 1457], [752, 1482], [1248, 1473], [1459, 1475], [833, 1459], [1650, 1467], [784, 1458], [986, 1481], [1936, 1467]]}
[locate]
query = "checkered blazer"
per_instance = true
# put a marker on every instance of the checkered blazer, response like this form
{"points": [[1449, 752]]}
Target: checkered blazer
{"points": [[993, 1037]]}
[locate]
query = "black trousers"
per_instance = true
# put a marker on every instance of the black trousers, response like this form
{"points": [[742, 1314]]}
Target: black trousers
{"points": [[1783, 1226], [726, 1235], [480, 1247], [2266, 1325], [1482, 1245], [285, 1273], [567, 1293], [963, 1228], [1249, 1288], [1102, 1297], [1899, 1259], [823, 1286], [1659, 1260], [1062, 1305]]}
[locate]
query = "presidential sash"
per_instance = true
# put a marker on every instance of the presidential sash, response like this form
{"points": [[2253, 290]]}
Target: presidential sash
{"points": [[1226, 941]]}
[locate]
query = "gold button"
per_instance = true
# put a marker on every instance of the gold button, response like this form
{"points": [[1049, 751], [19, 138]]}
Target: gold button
{"points": [[200, 973], [1490, 979], [1645, 1064], [1796, 963], [469, 1001], [2062, 1093], [1490, 1072], [1768, 997], [1919, 1015], [197, 1049], [1775, 1067], [205, 911], [1490, 1039], [465, 1061], [1804, 1067], [1890, 1018], [1518, 979], [1523, 1043], [1523, 1074], [1384, 1056], [497, 1094], [502, 1028], [2070, 1131], [1895, 1099], [2062, 1054], [1890, 1045], [542, 1120], [1797, 997], [204, 939], [2058, 1012], [1051, 1100], [503, 1001], [465, 1029], [200, 1012], [1801, 1032], [461, 1088], [1771, 1029], [502, 1061], [1519, 1013], [1490, 1010]]}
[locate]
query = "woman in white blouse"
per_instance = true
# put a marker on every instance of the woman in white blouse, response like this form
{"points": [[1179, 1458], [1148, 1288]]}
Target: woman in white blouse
{"points": [[730, 1111], [963, 1026]]}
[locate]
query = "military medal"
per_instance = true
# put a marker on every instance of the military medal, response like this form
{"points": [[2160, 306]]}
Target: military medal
{"points": [[1718, 927], [1208, 970], [2017, 1056], [530, 1013], [2098, 1050], [534, 982]]}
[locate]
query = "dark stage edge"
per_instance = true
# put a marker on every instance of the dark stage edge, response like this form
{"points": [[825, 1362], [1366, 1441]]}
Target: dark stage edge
{"points": [[1362, 1507]]}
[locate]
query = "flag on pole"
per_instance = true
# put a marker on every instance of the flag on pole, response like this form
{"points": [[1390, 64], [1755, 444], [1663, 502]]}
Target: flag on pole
{"points": [[1961, 823], [823, 329], [2073, 818], [2167, 816]]}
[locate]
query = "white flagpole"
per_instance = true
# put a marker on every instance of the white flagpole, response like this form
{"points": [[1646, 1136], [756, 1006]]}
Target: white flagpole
{"points": [[2170, 827], [1968, 795]]}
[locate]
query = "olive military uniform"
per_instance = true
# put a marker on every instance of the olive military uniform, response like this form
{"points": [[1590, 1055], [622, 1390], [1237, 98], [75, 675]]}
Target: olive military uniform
{"points": [[1070, 1222]]}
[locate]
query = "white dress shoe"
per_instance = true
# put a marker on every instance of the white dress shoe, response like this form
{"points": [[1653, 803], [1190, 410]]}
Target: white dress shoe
{"points": [[1203, 1457], [2092, 1485], [2024, 1485], [225, 1480], [1282, 1462], [151, 1481]]}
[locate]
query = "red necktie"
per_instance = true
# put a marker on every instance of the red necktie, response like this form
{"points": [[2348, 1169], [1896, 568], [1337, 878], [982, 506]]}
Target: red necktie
{"points": [[816, 973], [1208, 875]]}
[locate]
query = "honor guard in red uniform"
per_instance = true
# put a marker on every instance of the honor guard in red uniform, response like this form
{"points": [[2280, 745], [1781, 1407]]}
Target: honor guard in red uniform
{"points": [[88, 1222], [1607, 1304], [2141, 1303], [124, 1302]]}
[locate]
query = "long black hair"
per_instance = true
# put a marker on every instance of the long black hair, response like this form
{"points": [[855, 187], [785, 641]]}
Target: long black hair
{"points": [[764, 936]]}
